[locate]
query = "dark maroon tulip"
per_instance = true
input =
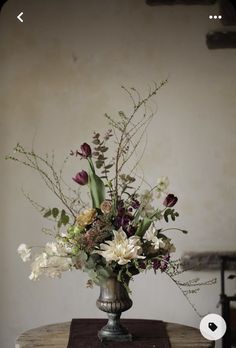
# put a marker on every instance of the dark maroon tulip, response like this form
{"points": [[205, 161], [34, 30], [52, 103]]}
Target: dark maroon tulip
{"points": [[81, 178], [85, 151], [170, 200]]}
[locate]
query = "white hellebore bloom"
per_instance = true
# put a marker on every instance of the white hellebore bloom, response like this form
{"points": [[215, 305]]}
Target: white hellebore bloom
{"points": [[151, 236], [121, 249], [162, 185], [24, 251]]}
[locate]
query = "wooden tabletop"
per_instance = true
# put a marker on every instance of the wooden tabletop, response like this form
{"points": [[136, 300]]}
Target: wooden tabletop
{"points": [[56, 336]]}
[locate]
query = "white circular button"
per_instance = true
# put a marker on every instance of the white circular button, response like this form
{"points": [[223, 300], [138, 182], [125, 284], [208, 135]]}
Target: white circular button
{"points": [[212, 327]]}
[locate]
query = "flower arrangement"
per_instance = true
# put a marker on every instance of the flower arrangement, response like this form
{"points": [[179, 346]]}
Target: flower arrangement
{"points": [[121, 230]]}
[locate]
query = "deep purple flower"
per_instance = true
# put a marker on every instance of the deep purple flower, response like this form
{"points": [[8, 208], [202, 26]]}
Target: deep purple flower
{"points": [[85, 151], [135, 204], [170, 200], [130, 230], [81, 178], [165, 263], [156, 265], [161, 264], [142, 265]]}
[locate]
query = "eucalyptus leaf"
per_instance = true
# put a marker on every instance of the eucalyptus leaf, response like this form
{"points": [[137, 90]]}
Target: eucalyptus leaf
{"points": [[65, 219], [48, 213], [55, 212]]}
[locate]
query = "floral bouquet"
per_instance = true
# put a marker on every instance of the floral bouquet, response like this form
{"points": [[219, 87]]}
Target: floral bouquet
{"points": [[118, 231]]}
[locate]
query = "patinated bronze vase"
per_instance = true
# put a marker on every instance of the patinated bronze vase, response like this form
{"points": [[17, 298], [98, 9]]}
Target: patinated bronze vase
{"points": [[114, 299]]}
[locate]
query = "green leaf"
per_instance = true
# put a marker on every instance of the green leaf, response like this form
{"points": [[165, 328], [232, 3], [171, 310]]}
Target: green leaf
{"points": [[48, 213], [99, 164], [103, 148], [65, 219], [55, 212], [166, 214], [108, 166], [96, 186], [92, 261], [143, 226], [81, 256], [63, 213]]}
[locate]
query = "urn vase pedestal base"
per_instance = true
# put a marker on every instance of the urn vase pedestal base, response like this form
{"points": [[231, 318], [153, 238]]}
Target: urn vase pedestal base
{"points": [[114, 331]]}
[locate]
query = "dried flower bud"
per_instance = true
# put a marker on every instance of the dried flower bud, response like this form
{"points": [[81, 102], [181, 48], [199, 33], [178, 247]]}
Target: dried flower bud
{"points": [[170, 200], [81, 178], [106, 207]]}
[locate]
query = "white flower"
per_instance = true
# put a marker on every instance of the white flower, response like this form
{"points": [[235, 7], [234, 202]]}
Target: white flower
{"points": [[162, 185], [56, 248], [56, 265], [151, 236], [38, 265], [52, 262], [51, 248], [121, 249], [24, 251]]}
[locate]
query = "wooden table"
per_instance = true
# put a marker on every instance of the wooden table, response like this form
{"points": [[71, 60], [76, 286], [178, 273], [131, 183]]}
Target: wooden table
{"points": [[56, 336]]}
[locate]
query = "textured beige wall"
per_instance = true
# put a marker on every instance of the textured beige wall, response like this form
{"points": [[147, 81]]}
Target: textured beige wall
{"points": [[61, 70]]}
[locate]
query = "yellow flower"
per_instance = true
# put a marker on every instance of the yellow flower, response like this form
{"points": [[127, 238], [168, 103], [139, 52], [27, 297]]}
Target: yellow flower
{"points": [[86, 217]]}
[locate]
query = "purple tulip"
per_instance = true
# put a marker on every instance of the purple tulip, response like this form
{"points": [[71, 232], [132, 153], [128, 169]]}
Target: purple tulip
{"points": [[81, 178], [170, 200], [85, 151]]}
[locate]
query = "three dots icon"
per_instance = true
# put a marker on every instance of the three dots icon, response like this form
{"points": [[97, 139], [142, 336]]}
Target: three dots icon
{"points": [[215, 17]]}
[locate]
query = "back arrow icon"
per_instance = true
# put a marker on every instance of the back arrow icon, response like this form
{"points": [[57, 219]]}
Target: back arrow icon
{"points": [[19, 17]]}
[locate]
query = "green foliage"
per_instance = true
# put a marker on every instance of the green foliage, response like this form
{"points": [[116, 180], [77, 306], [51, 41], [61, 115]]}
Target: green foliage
{"points": [[55, 213], [74, 230], [143, 226], [96, 186], [170, 213], [97, 272], [99, 152], [48, 213]]}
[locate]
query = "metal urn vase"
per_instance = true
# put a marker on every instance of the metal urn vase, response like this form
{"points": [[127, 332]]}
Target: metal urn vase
{"points": [[114, 299]]}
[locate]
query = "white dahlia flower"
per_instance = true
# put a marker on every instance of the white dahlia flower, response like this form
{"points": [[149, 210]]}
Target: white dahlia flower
{"points": [[121, 249]]}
